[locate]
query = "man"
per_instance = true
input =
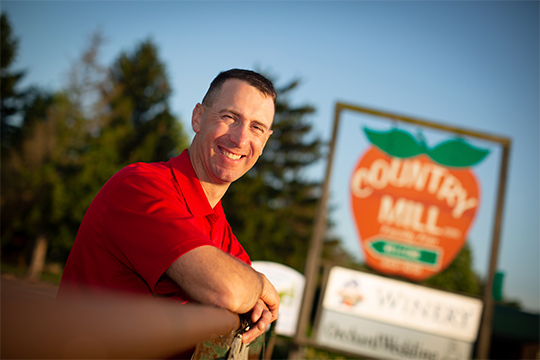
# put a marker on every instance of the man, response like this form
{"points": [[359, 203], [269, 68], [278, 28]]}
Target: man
{"points": [[160, 229]]}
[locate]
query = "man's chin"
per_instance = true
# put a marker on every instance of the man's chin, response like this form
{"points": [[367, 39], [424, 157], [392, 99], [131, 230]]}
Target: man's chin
{"points": [[229, 178]]}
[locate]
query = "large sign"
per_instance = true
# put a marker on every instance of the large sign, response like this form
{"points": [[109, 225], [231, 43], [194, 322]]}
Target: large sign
{"points": [[413, 206], [404, 304], [373, 315], [289, 283]]}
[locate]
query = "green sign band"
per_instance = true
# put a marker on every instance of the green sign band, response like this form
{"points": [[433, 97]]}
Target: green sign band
{"points": [[405, 252]]}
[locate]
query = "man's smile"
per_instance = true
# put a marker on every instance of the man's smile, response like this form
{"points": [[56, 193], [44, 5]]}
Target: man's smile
{"points": [[229, 154]]}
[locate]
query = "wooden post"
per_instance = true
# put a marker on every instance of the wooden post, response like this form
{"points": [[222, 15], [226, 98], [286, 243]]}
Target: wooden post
{"points": [[37, 263], [484, 338], [315, 250]]}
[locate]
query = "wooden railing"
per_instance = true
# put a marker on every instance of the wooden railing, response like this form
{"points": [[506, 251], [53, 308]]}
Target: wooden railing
{"points": [[104, 325]]}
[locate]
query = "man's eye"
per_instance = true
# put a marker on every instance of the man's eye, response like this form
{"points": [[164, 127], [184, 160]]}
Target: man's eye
{"points": [[258, 128]]}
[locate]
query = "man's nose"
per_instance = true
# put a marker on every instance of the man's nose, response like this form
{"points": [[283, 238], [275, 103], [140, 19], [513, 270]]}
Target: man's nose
{"points": [[239, 135]]}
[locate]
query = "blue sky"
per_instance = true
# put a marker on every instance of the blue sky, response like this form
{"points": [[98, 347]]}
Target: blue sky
{"points": [[473, 65]]}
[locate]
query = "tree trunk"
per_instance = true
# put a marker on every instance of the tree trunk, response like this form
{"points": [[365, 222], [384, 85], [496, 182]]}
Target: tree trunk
{"points": [[37, 263]]}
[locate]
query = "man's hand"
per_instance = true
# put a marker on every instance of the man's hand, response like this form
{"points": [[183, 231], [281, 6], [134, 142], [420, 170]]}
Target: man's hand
{"points": [[264, 312], [261, 318]]}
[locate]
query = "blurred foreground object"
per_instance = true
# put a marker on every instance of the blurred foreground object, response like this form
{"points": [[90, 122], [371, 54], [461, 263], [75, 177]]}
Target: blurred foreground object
{"points": [[104, 325]]}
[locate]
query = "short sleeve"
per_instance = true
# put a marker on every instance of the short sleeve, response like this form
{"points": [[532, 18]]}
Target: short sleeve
{"points": [[149, 226], [233, 246]]}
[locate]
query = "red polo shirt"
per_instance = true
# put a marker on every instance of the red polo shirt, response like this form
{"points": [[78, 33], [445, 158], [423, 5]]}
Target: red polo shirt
{"points": [[143, 219]]}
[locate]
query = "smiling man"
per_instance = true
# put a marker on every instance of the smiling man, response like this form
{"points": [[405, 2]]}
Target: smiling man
{"points": [[159, 228]]}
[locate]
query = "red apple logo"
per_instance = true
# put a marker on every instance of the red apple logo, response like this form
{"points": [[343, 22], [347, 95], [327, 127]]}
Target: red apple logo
{"points": [[413, 206]]}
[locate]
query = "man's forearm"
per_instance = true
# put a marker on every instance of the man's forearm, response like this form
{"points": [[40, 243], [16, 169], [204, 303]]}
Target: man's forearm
{"points": [[213, 277]]}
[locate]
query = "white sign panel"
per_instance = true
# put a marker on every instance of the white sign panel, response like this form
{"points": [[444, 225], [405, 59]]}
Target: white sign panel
{"points": [[289, 283], [403, 304], [371, 338]]}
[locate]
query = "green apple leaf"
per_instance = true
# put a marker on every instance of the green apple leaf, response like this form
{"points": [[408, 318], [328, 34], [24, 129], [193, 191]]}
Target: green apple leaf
{"points": [[395, 142], [457, 153]]}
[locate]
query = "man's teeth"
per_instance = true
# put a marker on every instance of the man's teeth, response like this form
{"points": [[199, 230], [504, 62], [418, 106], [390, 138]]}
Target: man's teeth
{"points": [[230, 155]]}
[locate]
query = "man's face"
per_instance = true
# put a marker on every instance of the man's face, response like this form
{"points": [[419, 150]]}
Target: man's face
{"points": [[231, 133]]}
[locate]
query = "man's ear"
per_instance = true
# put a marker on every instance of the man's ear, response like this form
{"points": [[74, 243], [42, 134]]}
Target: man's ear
{"points": [[196, 117]]}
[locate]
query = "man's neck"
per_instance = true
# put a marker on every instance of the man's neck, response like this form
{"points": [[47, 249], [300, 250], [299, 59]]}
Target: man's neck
{"points": [[213, 192]]}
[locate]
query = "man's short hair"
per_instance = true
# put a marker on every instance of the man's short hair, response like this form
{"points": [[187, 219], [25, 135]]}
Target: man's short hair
{"points": [[254, 79]]}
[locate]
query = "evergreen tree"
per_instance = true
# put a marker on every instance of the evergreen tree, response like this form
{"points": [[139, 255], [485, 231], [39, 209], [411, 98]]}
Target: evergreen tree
{"points": [[73, 141], [44, 195], [272, 208], [139, 108], [29, 147], [10, 97]]}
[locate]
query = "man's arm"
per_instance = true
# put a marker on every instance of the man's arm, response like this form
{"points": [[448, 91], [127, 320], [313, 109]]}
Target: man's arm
{"points": [[210, 276]]}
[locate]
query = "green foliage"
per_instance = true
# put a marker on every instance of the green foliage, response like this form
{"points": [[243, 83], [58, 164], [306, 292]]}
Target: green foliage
{"points": [[33, 171], [334, 252], [70, 143], [139, 108], [47, 276], [459, 276]]}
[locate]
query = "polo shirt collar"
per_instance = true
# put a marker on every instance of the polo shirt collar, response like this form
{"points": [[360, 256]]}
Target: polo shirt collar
{"points": [[190, 186]]}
